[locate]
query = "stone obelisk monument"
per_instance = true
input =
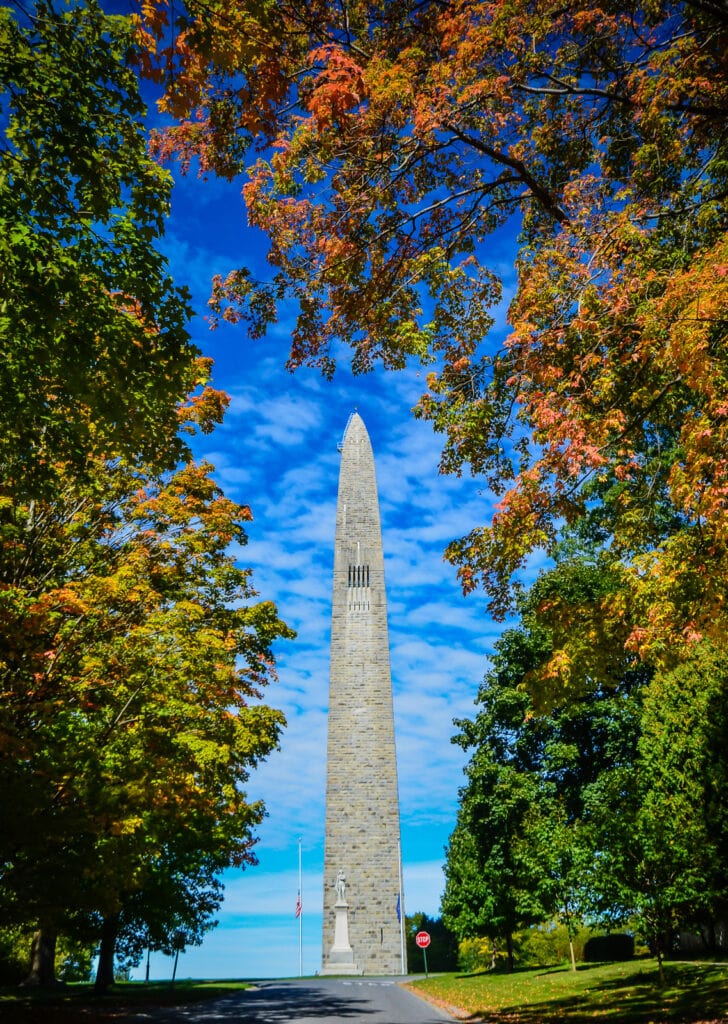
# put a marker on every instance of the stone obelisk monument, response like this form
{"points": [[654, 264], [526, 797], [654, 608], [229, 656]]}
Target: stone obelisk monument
{"points": [[362, 862]]}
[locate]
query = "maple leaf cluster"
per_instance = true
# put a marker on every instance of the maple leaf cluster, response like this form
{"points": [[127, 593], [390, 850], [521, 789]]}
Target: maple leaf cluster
{"points": [[397, 139]]}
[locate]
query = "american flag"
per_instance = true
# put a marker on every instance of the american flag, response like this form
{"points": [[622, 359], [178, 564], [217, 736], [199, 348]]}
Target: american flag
{"points": [[299, 906]]}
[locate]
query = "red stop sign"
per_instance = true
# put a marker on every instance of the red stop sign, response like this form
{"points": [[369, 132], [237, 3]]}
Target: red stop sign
{"points": [[423, 939]]}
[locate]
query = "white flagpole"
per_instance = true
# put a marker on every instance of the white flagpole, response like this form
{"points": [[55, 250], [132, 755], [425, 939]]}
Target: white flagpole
{"points": [[401, 906], [300, 916]]}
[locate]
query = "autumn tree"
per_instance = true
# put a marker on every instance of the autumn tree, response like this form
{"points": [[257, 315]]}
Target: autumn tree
{"points": [[95, 350], [624, 821], [383, 144], [133, 651], [529, 828], [134, 656]]}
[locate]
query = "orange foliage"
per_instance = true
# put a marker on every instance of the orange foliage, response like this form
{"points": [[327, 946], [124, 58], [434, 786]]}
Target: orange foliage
{"points": [[402, 135]]}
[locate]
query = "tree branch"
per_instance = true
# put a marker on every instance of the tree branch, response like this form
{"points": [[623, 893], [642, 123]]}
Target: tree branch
{"points": [[524, 175]]}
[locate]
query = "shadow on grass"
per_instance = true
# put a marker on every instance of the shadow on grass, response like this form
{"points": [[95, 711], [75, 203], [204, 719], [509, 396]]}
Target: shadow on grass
{"points": [[692, 994], [79, 1003], [502, 972], [284, 1002], [590, 966]]}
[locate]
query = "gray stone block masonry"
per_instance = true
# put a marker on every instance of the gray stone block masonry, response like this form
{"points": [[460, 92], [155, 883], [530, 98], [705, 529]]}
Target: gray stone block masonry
{"points": [[362, 838]]}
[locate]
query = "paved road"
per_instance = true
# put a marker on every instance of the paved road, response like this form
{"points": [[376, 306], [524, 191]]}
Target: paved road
{"points": [[315, 1001]]}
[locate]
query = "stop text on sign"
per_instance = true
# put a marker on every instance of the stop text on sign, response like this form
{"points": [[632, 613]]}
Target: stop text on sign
{"points": [[423, 939]]}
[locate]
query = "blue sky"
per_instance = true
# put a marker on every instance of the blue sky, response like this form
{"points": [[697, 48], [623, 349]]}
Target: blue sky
{"points": [[277, 451]]}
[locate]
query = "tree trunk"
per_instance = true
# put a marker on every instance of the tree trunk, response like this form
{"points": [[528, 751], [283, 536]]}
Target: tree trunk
{"points": [[660, 967], [105, 970], [174, 969], [712, 938], [43, 959], [570, 932], [659, 953], [509, 949]]}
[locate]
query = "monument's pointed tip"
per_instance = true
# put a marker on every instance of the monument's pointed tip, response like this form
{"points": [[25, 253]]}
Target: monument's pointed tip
{"points": [[354, 425]]}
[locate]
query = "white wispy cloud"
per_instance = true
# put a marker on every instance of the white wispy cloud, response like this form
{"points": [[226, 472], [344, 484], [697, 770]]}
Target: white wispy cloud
{"points": [[277, 451], [283, 448]]}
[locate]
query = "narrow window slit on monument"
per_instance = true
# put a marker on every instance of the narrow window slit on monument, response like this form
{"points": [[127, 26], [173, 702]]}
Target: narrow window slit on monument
{"points": [[358, 576]]}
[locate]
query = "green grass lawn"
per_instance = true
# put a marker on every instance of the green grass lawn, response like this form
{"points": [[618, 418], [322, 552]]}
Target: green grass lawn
{"points": [[627, 993], [77, 1004]]}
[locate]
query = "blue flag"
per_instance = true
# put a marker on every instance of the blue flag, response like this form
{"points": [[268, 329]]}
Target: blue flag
{"points": [[399, 909]]}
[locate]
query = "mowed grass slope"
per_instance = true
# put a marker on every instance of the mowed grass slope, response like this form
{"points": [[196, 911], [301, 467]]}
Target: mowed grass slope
{"points": [[627, 993]]}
